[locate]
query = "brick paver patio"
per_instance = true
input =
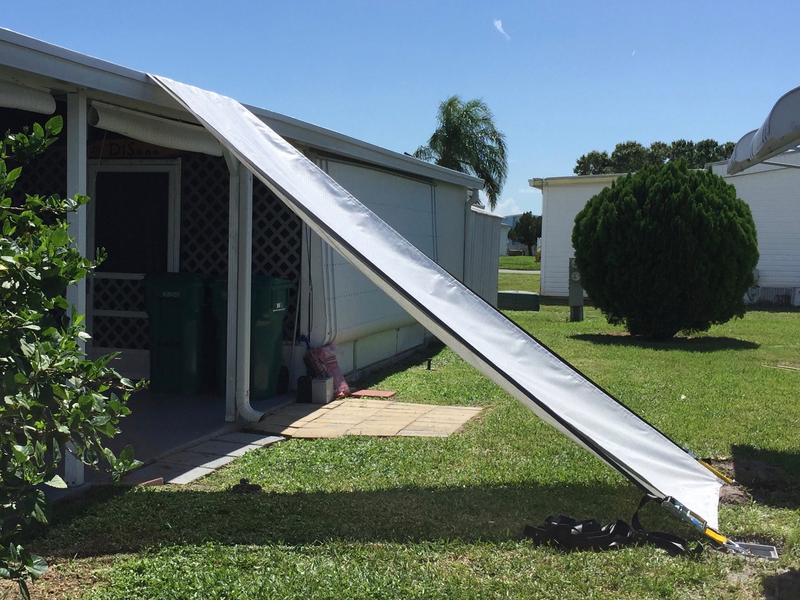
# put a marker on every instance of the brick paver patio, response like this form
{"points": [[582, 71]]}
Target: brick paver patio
{"points": [[365, 417]]}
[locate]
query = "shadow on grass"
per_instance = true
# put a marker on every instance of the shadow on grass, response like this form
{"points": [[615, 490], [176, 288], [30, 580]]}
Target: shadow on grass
{"points": [[416, 358], [115, 521], [772, 477], [693, 344], [782, 586]]}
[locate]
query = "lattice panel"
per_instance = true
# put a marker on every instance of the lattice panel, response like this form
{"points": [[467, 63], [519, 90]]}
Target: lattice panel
{"points": [[204, 227], [119, 294], [204, 215], [45, 175], [118, 332], [276, 236], [277, 244]]}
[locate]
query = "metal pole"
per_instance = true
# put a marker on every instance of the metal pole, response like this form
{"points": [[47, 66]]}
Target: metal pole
{"points": [[575, 292]]}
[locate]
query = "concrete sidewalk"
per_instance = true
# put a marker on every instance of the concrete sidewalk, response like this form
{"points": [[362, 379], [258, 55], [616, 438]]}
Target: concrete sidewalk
{"points": [[187, 465], [520, 271]]}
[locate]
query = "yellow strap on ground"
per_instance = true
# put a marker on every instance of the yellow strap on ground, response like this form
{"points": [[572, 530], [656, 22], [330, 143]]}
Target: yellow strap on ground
{"points": [[716, 472]]}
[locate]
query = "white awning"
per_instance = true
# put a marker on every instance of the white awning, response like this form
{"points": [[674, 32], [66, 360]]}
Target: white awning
{"points": [[159, 131], [780, 132], [25, 98], [542, 381]]}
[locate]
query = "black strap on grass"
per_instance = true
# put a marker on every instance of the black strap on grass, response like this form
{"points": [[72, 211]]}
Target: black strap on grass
{"points": [[567, 533]]}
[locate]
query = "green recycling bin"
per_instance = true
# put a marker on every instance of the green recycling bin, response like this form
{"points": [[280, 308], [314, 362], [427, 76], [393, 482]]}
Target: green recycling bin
{"points": [[269, 303], [175, 308]]}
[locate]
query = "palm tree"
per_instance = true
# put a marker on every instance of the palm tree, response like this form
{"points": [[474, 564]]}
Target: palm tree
{"points": [[467, 140]]}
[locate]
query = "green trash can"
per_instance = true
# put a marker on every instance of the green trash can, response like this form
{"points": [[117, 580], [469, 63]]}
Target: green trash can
{"points": [[174, 308], [269, 303]]}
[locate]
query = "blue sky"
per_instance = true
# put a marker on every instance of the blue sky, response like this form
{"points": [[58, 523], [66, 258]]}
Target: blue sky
{"points": [[564, 78]]}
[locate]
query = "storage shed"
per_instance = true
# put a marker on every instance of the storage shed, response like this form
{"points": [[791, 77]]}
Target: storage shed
{"points": [[166, 198]]}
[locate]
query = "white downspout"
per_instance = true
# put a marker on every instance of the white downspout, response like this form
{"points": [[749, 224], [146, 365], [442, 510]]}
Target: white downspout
{"points": [[240, 254]]}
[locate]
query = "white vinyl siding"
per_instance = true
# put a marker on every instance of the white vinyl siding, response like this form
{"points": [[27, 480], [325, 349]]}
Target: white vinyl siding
{"points": [[482, 253], [406, 204], [560, 205], [349, 310], [773, 194], [450, 210]]}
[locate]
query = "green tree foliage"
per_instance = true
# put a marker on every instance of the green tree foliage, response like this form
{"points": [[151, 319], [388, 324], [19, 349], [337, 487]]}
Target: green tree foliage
{"points": [[630, 156], [527, 230], [666, 249], [467, 140], [54, 399]]}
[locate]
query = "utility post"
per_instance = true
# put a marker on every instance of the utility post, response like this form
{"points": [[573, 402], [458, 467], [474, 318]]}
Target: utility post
{"points": [[575, 293]]}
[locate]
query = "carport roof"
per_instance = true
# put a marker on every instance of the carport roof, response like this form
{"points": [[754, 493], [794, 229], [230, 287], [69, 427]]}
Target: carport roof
{"points": [[30, 61]]}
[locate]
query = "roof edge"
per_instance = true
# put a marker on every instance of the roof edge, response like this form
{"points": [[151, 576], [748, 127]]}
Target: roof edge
{"points": [[540, 182], [43, 59]]}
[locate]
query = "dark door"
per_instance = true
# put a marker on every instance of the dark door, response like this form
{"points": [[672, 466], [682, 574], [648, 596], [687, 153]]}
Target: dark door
{"points": [[131, 221]]}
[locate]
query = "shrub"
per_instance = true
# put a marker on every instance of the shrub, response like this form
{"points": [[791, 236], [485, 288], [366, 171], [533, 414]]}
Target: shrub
{"points": [[54, 399], [666, 249]]}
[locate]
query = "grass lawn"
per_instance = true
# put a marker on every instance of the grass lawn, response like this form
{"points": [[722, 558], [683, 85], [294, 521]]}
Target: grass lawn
{"points": [[523, 263], [528, 282], [441, 518]]}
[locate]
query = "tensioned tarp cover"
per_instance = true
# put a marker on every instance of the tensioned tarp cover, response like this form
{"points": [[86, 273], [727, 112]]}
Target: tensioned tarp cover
{"points": [[480, 334]]}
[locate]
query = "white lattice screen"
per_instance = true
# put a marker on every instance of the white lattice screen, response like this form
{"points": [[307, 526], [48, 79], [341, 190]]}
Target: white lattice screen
{"points": [[45, 175], [204, 227], [277, 245], [121, 332], [119, 294], [204, 215]]}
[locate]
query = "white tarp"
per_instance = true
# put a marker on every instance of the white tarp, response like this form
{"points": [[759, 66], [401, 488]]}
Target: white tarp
{"points": [[480, 334], [780, 131]]}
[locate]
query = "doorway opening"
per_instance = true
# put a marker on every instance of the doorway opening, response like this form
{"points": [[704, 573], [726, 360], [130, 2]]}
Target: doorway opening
{"points": [[134, 221]]}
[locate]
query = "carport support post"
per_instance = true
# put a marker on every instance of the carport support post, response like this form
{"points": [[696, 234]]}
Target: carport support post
{"points": [[240, 254], [76, 184]]}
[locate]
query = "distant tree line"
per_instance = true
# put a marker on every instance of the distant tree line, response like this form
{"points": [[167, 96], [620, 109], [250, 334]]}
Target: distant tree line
{"points": [[631, 156]]}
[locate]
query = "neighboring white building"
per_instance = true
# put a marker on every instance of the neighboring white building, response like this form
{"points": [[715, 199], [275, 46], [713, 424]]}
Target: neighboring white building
{"points": [[562, 199], [771, 189]]}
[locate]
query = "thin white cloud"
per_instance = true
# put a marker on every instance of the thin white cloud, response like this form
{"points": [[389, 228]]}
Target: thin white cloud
{"points": [[633, 53], [498, 24], [507, 206]]}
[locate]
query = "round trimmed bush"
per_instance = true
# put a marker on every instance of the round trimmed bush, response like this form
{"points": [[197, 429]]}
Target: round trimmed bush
{"points": [[666, 249]]}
